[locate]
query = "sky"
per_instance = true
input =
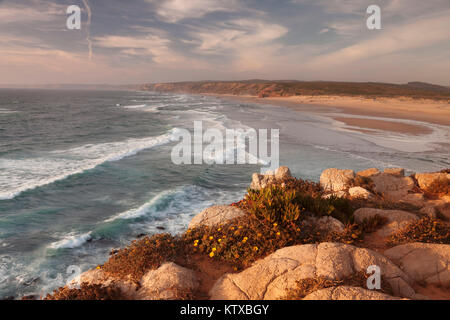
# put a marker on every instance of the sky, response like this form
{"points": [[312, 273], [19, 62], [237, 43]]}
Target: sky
{"points": [[142, 41]]}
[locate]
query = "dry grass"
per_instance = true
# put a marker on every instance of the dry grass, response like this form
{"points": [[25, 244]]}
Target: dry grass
{"points": [[86, 292], [427, 230], [143, 255], [310, 285]]}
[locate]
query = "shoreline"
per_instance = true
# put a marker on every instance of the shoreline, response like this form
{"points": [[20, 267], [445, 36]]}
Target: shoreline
{"points": [[423, 110]]}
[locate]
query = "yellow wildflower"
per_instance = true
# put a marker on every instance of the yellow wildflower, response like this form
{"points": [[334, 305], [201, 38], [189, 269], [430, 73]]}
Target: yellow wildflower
{"points": [[210, 238], [211, 254]]}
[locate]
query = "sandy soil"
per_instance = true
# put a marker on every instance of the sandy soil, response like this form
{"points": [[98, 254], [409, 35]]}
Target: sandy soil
{"points": [[437, 112], [391, 126], [430, 111]]}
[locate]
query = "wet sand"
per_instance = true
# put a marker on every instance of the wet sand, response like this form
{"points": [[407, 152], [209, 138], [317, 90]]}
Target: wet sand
{"points": [[423, 110]]}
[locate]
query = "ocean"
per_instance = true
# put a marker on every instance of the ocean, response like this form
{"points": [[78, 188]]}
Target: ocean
{"points": [[84, 172]]}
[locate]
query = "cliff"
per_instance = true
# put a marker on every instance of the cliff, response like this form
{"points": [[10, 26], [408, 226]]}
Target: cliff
{"points": [[263, 88]]}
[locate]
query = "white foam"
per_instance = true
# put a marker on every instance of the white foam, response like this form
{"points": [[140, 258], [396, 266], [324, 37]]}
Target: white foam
{"points": [[71, 241], [145, 208], [136, 106], [19, 175]]}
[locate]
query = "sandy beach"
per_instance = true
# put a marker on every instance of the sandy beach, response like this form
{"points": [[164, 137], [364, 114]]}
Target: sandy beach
{"points": [[423, 110]]}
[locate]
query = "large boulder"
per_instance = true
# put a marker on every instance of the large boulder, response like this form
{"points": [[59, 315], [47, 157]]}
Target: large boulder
{"points": [[423, 262], [215, 215], [168, 282], [276, 275], [336, 179], [325, 224], [260, 181], [127, 287], [392, 187], [396, 219], [348, 293], [426, 179]]}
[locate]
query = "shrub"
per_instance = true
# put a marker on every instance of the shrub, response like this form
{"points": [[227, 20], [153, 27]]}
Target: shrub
{"points": [[242, 241], [364, 182], [374, 223], [426, 230], [86, 292], [284, 205], [145, 254], [273, 204]]}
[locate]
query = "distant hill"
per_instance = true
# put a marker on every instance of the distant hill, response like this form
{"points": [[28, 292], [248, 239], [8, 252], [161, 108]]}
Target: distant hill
{"points": [[284, 88]]}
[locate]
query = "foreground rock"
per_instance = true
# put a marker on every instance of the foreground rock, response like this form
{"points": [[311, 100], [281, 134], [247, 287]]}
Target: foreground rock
{"points": [[396, 219], [392, 187], [276, 275], [348, 293], [423, 262], [215, 215], [336, 179], [260, 181], [168, 282]]}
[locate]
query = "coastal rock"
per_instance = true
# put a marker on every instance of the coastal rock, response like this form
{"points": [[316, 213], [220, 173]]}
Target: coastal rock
{"points": [[99, 277], [358, 192], [426, 179], [392, 187], [327, 224], [168, 282], [423, 262], [276, 275], [215, 215], [416, 199], [399, 172], [368, 172], [396, 219], [260, 181], [348, 293], [336, 179]]}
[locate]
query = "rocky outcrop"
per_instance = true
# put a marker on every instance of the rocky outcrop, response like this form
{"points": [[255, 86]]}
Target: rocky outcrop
{"points": [[399, 172], [168, 282], [423, 262], [326, 224], [426, 179], [360, 193], [215, 215], [348, 293], [260, 181], [396, 219], [276, 275], [336, 179], [392, 187]]}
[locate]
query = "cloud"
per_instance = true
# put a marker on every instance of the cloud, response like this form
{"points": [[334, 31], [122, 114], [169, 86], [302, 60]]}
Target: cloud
{"points": [[177, 10], [414, 35]]}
